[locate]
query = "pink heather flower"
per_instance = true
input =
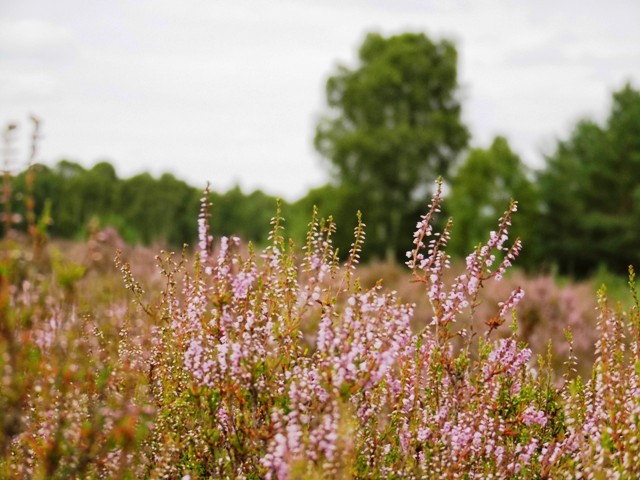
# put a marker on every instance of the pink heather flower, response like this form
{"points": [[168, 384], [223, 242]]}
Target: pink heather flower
{"points": [[242, 282], [223, 349], [424, 433], [316, 262], [531, 416], [506, 357], [224, 247], [276, 460], [512, 302], [525, 457], [473, 284], [195, 362], [43, 335], [204, 239], [325, 333]]}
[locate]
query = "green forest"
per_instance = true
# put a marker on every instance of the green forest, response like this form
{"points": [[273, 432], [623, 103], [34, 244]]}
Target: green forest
{"points": [[392, 127]]}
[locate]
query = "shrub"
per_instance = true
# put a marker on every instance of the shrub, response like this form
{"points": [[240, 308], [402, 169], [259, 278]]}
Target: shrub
{"points": [[291, 369], [277, 365]]}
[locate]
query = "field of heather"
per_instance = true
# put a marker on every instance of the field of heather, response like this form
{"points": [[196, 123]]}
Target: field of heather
{"points": [[283, 240], [229, 362]]}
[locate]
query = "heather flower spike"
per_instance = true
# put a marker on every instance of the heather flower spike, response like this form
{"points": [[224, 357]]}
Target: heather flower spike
{"points": [[205, 240]]}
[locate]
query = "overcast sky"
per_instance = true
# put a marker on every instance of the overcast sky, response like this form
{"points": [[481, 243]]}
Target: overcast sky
{"points": [[228, 91]]}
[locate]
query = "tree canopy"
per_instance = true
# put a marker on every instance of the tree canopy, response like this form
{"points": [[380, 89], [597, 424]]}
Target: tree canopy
{"points": [[394, 126], [591, 192]]}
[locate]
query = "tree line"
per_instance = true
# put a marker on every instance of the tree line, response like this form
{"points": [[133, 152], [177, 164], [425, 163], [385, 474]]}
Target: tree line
{"points": [[392, 126]]}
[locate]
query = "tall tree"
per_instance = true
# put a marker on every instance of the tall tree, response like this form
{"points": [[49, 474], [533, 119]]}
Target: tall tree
{"points": [[394, 127], [591, 192]]}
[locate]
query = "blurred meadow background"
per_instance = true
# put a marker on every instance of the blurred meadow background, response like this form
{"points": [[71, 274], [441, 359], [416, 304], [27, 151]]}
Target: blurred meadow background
{"points": [[116, 115]]}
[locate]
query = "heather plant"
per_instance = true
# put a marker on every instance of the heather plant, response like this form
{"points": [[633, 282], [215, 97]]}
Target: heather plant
{"points": [[281, 364], [270, 366], [72, 403]]}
